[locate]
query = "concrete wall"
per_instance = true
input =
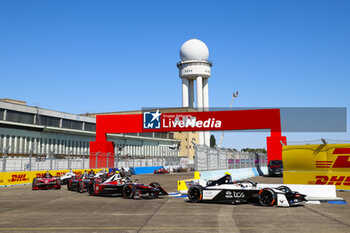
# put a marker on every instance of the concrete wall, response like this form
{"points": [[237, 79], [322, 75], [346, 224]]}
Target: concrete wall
{"points": [[237, 174]]}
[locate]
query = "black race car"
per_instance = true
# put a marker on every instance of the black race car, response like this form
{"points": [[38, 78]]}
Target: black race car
{"points": [[80, 183], [118, 186], [244, 192]]}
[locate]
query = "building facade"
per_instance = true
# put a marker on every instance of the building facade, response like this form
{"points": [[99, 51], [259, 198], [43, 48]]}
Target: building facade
{"points": [[27, 129]]}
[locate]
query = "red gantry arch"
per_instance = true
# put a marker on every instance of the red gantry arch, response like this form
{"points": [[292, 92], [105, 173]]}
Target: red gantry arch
{"points": [[188, 121]]}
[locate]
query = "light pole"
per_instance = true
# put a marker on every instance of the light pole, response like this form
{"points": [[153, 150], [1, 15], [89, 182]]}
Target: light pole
{"points": [[235, 95], [69, 159], [30, 157], [6, 151]]}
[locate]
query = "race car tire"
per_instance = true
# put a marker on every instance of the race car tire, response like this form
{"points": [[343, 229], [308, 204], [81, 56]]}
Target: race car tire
{"points": [[284, 189], [267, 197], [195, 193], [129, 191], [33, 184], [155, 185], [58, 182], [81, 185], [91, 189], [69, 185]]}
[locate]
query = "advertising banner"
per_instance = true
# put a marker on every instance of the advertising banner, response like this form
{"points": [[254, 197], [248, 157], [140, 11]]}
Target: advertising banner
{"points": [[16, 178], [325, 164]]}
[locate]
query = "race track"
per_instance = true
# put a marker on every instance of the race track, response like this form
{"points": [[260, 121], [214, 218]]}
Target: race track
{"points": [[24, 210]]}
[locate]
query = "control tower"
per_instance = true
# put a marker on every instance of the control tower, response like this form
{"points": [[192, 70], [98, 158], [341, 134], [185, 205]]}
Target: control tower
{"points": [[194, 66]]}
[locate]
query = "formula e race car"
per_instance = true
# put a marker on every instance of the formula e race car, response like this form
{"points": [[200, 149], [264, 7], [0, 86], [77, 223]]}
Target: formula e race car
{"points": [[46, 182], [161, 170], [66, 177], [179, 169], [80, 183], [244, 192], [118, 186]]}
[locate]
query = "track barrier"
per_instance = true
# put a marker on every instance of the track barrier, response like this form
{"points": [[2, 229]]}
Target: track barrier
{"points": [[18, 178], [321, 164], [144, 170]]}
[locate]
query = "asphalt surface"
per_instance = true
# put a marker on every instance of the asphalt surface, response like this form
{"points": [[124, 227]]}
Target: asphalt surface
{"points": [[24, 210]]}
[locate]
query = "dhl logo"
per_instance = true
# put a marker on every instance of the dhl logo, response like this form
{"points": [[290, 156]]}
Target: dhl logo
{"points": [[333, 180], [342, 161], [19, 177], [40, 174]]}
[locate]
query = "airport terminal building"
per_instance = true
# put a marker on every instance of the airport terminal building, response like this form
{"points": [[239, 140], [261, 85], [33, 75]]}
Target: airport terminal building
{"points": [[32, 130]]}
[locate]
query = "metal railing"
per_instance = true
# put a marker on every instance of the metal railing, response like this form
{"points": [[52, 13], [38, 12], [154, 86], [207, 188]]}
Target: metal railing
{"points": [[207, 159], [107, 160], [52, 161]]}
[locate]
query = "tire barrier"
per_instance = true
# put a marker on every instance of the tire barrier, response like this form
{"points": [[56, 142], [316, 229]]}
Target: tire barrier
{"points": [[325, 164], [18, 178]]}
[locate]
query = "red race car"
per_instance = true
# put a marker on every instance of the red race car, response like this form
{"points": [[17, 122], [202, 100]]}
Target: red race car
{"points": [[161, 171], [118, 186], [46, 181]]}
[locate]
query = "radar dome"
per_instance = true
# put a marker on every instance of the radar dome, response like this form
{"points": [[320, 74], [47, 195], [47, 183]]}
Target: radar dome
{"points": [[194, 50]]}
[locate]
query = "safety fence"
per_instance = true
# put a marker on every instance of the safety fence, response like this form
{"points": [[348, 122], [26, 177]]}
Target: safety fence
{"points": [[39, 162], [207, 159]]}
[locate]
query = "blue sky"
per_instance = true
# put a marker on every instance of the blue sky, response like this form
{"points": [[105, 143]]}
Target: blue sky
{"points": [[98, 56]]}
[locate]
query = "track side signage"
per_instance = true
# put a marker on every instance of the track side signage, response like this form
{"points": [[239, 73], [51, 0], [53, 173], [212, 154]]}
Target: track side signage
{"points": [[317, 164], [16, 178]]}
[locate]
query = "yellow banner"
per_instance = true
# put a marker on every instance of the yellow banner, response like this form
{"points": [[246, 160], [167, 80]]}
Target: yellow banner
{"points": [[14, 178], [325, 164]]}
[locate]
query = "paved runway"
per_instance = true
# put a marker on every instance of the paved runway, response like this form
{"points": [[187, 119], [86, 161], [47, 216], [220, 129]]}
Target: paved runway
{"points": [[24, 210]]}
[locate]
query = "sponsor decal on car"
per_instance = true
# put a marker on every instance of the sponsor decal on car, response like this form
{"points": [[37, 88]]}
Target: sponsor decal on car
{"points": [[228, 194], [238, 194], [234, 194]]}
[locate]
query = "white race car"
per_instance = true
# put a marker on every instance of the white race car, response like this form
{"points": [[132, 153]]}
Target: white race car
{"points": [[245, 192], [66, 177]]}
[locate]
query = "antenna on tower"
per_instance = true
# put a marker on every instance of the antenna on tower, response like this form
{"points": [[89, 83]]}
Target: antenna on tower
{"points": [[235, 95]]}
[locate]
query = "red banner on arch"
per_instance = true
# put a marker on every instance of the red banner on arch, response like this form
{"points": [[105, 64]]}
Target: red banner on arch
{"points": [[156, 121]]}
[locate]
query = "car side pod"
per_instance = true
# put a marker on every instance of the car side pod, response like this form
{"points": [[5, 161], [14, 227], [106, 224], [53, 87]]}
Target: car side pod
{"points": [[158, 186]]}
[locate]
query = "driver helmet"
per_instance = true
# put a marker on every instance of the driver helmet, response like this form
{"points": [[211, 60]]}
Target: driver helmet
{"points": [[227, 173]]}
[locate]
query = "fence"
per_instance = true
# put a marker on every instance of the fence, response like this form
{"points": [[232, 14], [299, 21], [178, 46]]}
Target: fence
{"points": [[53, 161], [207, 159]]}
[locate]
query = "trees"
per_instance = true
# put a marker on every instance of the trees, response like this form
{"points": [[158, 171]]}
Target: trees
{"points": [[212, 141]]}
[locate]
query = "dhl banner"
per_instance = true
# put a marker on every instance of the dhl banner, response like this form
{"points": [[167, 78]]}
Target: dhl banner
{"points": [[325, 164], [15, 178]]}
